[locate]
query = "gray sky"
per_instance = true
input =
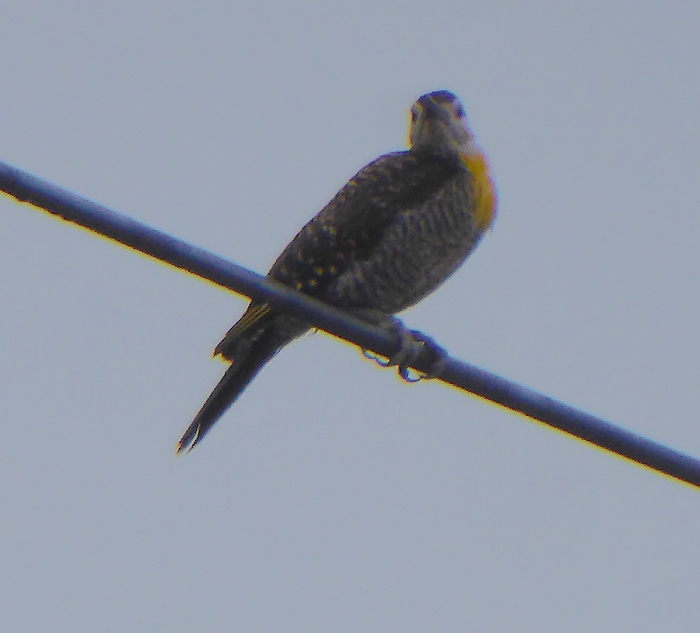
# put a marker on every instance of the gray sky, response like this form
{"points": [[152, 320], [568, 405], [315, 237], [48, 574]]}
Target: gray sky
{"points": [[333, 497]]}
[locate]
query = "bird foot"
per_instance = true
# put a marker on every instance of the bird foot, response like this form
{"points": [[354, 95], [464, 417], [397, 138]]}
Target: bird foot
{"points": [[412, 345]]}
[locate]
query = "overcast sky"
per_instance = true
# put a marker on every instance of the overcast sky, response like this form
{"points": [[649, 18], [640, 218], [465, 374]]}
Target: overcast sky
{"points": [[333, 497]]}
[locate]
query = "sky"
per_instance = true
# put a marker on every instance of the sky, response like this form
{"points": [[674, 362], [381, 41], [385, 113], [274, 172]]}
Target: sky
{"points": [[333, 496]]}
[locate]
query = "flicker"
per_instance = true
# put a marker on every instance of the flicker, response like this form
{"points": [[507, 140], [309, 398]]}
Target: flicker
{"points": [[398, 229]]}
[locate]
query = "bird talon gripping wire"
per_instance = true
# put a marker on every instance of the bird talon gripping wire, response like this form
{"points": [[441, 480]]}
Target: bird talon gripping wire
{"points": [[382, 361], [406, 372], [412, 345], [437, 356]]}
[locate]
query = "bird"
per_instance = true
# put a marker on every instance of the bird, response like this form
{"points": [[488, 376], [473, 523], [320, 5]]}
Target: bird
{"points": [[396, 231]]}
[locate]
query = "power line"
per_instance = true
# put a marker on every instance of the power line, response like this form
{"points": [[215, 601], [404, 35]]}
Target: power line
{"points": [[73, 208]]}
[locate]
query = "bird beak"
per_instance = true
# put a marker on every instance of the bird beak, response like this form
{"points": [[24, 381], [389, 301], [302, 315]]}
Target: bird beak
{"points": [[430, 110]]}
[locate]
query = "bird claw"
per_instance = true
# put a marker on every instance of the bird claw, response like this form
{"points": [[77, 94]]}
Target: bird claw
{"points": [[413, 344]]}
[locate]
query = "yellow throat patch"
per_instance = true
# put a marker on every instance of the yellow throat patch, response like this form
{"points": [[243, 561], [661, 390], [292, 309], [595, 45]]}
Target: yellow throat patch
{"points": [[485, 194]]}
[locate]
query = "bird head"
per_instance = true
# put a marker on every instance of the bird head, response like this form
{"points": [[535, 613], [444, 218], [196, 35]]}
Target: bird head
{"points": [[439, 125]]}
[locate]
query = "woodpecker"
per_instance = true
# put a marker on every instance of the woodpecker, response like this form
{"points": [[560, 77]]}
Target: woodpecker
{"points": [[401, 226]]}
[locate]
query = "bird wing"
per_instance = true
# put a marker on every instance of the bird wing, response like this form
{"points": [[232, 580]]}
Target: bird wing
{"points": [[345, 232], [352, 225], [238, 339]]}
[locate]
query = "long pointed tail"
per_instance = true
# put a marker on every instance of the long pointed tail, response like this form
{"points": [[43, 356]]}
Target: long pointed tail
{"points": [[234, 381]]}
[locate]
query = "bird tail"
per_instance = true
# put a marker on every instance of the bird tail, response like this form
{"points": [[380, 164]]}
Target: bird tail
{"points": [[237, 377]]}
